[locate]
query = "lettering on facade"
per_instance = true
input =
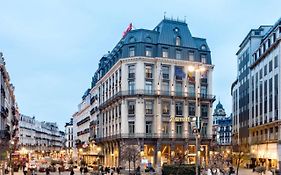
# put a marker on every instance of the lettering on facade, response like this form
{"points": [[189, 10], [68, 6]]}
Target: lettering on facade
{"points": [[179, 119]]}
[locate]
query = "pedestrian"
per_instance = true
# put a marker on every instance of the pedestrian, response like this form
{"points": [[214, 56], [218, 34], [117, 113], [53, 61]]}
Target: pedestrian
{"points": [[71, 171], [47, 171], [111, 171], [24, 170], [118, 170], [81, 169]]}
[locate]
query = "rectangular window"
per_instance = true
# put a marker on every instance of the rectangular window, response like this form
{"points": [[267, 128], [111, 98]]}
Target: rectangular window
{"points": [[131, 87], [148, 51], [204, 110], [274, 37], [131, 127], [270, 66], [178, 54], [203, 91], [191, 89], [204, 58], [270, 94], [179, 108], [148, 127], [131, 51], [179, 129], [179, 88], [148, 87], [131, 107], [148, 107], [275, 61], [165, 87], [148, 71], [179, 73], [191, 56], [131, 71], [165, 108], [191, 108], [165, 128], [166, 72], [265, 70], [165, 53]]}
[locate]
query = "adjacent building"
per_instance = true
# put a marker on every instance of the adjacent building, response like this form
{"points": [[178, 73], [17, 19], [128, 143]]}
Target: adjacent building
{"points": [[223, 127], [84, 147], [145, 92], [39, 136], [69, 142], [256, 102], [240, 91], [265, 120], [9, 118]]}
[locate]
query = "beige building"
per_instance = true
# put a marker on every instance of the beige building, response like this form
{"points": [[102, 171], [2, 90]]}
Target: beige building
{"points": [[146, 92]]}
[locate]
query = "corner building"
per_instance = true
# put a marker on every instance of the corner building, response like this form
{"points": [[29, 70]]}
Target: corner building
{"points": [[144, 94]]}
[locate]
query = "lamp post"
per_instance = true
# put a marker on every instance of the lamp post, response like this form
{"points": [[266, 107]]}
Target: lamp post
{"points": [[12, 143], [197, 126]]}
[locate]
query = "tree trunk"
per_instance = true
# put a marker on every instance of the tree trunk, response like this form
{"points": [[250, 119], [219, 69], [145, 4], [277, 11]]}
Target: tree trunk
{"points": [[129, 167], [238, 164]]}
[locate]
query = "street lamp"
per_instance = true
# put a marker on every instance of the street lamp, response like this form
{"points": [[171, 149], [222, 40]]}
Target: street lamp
{"points": [[12, 143], [197, 126]]}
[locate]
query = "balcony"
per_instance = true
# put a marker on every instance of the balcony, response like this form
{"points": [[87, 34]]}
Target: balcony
{"points": [[149, 136], [142, 92]]}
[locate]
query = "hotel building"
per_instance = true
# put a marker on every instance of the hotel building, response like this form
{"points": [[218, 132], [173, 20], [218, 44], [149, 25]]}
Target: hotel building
{"points": [[145, 92]]}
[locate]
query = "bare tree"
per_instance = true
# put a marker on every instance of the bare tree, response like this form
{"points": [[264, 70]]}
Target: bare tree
{"points": [[130, 153]]}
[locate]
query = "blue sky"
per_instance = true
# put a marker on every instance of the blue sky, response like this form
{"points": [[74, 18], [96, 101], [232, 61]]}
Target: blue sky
{"points": [[52, 47]]}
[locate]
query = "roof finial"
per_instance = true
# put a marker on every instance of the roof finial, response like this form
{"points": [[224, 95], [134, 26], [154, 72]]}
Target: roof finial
{"points": [[185, 19], [165, 15]]}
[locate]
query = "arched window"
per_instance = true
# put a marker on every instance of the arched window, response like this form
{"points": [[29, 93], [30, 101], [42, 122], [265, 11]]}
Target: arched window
{"points": [[148, 39], [178, 41]]}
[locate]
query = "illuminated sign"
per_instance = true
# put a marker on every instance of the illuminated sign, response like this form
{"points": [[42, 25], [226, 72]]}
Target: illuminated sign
{"points": [[179, 119], [129, 28]]}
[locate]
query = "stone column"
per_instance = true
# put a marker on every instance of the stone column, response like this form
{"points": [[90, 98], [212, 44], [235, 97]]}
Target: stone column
{"points": [[157, 157], [172, 153], [186, 151]]}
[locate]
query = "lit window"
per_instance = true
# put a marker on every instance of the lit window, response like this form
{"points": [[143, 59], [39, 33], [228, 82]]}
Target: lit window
{"points": [[165, 107], [148, 71], [178, 41]]}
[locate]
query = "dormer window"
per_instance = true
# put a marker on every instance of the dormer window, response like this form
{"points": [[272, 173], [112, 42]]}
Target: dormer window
{"points": [[178, 41], [131, 51]]}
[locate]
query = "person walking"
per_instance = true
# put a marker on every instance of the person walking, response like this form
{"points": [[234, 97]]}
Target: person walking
{"points": [[71, 171]]}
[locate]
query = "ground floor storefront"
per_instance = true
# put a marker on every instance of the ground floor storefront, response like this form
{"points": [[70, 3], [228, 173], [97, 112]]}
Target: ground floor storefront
{"points": [[153, 152], [267, 155]]}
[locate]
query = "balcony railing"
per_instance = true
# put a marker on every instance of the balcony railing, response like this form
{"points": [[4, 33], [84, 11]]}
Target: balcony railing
{"points": [[142, 92], [149, 136]]}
